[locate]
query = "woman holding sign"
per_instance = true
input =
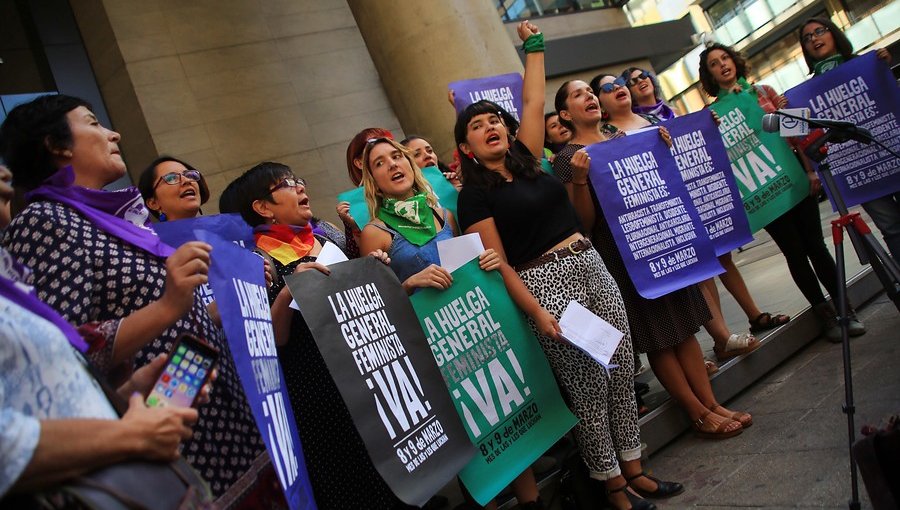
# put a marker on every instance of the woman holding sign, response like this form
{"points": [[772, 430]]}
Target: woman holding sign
{"points": [[525, 215], [97, 263], [664, 328], [622, 112], [797, 232], [824, 48], [276, 204]]}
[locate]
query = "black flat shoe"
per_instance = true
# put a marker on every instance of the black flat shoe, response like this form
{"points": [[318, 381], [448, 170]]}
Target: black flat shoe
{"points": [[637, 502], [663, 489]]}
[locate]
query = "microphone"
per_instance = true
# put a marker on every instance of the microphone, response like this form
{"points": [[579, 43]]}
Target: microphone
{"points": [[771, 123]]}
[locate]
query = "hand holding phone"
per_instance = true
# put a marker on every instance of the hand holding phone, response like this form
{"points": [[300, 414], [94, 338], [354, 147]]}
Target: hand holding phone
{"points": [[189, 367]]}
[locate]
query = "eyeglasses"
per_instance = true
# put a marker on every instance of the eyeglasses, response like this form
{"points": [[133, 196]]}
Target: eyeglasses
{"points": [[173, 178], [288, 182], [607, 88], [634, 81], [819, 32]]}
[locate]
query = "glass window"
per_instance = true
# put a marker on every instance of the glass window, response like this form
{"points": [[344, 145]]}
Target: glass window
{"points": [[517, 10]]}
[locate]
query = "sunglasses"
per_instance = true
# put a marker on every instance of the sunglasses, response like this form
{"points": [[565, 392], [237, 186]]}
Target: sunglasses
{"points": [[819, 32], [607, 88], [288, 182], [634, 81], [173, 178]]}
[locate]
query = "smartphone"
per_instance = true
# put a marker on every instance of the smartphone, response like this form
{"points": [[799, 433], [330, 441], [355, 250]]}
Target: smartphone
{"points": [[188, 368]]}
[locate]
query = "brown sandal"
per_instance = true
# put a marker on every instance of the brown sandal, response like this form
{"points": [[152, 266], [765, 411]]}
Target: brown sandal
{"points": [[745, 419], [720, 432]]}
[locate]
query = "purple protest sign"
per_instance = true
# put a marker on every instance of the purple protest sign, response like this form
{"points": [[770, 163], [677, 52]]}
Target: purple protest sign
{"points": [[658, 232], [504, 89], [862, 91], [238, 283], [706, 171]]}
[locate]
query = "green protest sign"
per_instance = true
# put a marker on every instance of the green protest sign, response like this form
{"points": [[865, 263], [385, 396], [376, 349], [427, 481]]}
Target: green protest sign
{"points": [[498, 377], [768, 173]]}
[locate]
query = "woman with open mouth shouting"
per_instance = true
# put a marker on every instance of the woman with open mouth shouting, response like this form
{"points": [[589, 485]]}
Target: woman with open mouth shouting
{"points": [[525, 215], [664, 328], [173, 189]]}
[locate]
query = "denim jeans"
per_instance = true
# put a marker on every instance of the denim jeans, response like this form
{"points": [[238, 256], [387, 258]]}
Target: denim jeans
{"points": [[885, 212]]}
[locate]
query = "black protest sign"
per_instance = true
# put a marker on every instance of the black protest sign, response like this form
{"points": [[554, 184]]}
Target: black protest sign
{"points": [[371, 340]]}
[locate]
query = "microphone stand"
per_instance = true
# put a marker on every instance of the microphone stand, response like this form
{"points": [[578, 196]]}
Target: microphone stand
{"points": [[869, 251]]}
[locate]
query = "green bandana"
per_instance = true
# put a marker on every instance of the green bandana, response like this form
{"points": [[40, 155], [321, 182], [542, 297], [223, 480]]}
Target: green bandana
{"points": [[742, 81], [828, 64], [411, 218]]}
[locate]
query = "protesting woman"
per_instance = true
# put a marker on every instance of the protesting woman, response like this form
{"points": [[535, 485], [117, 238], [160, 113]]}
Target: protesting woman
{"points": [[798, 232], [664, 328], [100, 266], [825, 47], [524, 215]]}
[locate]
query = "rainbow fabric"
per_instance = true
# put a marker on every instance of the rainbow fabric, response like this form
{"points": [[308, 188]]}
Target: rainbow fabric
{"points": [[285, 243]]}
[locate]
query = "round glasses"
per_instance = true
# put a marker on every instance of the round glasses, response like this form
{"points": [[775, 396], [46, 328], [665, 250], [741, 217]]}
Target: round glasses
{"points": [[288, 182], [634, 81], [607, 88], [173, 178], [819, 32]]}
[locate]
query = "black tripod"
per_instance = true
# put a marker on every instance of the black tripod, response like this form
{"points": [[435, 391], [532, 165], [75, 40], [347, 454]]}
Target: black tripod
{"points": [[868, 250]]}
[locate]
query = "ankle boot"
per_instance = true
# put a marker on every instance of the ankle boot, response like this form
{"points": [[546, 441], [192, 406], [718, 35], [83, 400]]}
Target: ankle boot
{"points": [[828, 318], [855, 326]]}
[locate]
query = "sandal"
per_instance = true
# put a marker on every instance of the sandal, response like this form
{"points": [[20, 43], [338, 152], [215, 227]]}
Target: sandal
{"points": [[766, 321], [736, 345], [711, 367], [637, 503], [663, 489], [745, 419], [721, 432]]}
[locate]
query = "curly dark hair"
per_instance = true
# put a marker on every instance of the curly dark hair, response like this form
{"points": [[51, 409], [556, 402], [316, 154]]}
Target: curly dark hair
{"points": [[709, 84], [520, 163], [841, 43], [31, 132]]}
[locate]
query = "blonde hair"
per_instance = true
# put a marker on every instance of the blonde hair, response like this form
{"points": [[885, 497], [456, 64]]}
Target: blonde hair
{"points": [[374, 198]]}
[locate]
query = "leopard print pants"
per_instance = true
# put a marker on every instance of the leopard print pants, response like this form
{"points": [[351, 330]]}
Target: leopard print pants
{"points": [[605, 405]]}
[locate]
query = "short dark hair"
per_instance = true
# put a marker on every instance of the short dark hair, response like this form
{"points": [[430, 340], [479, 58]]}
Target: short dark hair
{"points": [[147, 180], [410, 138], [626, 75], [254, 185], [843, 45], [519, 163], [709, 84], [29, 134]]}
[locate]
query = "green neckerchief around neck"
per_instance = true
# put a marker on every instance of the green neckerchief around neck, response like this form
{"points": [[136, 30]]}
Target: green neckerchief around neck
{"points": [[411, 218], [827, 64], [742, 81]]}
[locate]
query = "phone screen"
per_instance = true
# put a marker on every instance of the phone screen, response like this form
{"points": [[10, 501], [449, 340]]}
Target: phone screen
{"points": [[186, 371]]}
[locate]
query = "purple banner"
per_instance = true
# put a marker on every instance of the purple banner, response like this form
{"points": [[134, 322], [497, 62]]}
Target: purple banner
{"points": [[862, 91], [236, 277], [504, 89], [706, 171], [657, 230]]}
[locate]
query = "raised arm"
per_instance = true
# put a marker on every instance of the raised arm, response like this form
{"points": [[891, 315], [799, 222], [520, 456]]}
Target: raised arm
{"points": [[531, 128]]}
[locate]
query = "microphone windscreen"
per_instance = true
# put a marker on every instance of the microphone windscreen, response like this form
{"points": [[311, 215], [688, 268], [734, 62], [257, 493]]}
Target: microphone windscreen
{"points": [[771, 123]]}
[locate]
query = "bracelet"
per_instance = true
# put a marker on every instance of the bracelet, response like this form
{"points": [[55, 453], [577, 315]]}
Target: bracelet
{"points": [[580, 183], [534, 43]]}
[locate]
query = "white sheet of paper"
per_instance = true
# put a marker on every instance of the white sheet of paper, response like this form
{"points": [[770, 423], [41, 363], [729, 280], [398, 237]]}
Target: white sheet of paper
{"points": [[593, 335], [456, 252], [329, 254]]}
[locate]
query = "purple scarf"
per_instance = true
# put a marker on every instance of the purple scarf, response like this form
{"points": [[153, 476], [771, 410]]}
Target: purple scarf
{"points": [[660, 109], [12, 287], [119, 213]]}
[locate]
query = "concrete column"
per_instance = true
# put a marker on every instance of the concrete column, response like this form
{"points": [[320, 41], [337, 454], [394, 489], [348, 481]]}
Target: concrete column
{"points": [[420, 47]]}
